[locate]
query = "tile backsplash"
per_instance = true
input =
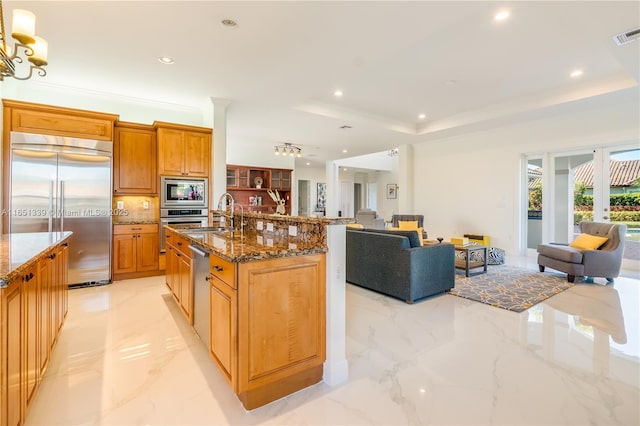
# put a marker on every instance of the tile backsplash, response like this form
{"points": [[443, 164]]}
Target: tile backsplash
{"points": [[133, 209]]}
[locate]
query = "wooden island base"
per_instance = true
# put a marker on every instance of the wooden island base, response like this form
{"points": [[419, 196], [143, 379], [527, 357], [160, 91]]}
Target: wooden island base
{"points": [[273, 391]]}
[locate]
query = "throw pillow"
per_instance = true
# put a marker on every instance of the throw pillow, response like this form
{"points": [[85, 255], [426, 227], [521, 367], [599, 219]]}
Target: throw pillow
{"points": [[420, 236], [355, 225], [588, 242], [409, 224]]}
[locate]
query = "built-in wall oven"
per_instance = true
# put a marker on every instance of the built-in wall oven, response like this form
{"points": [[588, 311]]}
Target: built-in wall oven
{"points": [[183, 202]]}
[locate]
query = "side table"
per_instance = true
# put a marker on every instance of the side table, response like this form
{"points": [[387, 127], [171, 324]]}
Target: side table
{"points": [[467, 263]]}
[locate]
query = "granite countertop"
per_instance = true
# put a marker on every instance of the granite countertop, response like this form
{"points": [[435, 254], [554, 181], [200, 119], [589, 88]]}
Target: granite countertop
{"points": [[251, 247], [296, 219], [19, 251]]}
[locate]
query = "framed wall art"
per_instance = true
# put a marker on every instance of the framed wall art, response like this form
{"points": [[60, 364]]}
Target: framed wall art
{"points": [[392, 190]]}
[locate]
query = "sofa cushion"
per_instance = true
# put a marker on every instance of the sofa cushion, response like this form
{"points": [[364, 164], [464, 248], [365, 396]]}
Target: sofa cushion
{"points": [[414, 239], [561, 252], [588, 242]]}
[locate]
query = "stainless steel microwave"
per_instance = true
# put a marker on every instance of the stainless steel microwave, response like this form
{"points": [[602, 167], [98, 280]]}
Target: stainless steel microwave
{"points": [[183, 192]]}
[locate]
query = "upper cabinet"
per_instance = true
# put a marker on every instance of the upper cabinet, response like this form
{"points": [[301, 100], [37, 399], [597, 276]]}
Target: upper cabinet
{"points": [[57, 121], [134, 160], [183, 150], [281, 179], [249, 186]]}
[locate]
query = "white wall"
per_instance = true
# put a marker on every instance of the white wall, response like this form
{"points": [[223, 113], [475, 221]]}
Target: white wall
{"points": [[470, 183], [129, 109]]}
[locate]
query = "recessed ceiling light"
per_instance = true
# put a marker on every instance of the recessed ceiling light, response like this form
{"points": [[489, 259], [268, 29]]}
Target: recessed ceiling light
{"points": [[166, 60], [308, 164], [344, 151], [344, 169], [229, 23], [576, 73], [422, 116], [502, 15], [337, 93]]}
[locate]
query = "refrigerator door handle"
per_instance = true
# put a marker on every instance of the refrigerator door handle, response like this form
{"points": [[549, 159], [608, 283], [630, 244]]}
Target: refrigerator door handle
{"points": [[61, 206], [51, 211]]}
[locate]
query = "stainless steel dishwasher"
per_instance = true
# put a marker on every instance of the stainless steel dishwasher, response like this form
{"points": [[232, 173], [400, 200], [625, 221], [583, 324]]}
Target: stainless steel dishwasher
{"points": [[201, 293]]}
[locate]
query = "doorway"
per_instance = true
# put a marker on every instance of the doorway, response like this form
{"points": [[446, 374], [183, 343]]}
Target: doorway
{"points": [[304, 197], [600, 185]]}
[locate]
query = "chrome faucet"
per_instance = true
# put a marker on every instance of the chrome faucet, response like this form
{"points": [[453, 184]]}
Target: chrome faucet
{"points": [[227, 199], [224, 200]]}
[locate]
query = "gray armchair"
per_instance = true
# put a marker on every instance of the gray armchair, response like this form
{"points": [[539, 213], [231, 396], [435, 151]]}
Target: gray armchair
{"points": [[604, 262], [369, 219]]}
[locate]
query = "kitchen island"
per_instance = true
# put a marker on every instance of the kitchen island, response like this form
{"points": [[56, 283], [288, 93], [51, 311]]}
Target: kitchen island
{"points": [[33, 306], [267, 301]]}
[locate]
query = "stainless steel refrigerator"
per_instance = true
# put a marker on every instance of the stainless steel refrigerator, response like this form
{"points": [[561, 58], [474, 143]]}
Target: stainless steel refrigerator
{"points": [[64, 184]]}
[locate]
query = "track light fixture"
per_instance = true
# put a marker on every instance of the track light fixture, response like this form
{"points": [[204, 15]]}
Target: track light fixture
{"points": [[287, 148]]}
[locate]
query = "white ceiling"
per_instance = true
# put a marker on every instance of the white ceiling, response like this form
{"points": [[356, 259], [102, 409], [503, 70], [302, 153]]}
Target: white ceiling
{"points": [[393, 60]]}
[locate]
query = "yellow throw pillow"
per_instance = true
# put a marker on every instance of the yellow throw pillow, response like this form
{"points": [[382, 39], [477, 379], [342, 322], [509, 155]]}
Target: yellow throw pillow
{"points": [[408, 225], [355, 225], [392, 228], [588, 242]]}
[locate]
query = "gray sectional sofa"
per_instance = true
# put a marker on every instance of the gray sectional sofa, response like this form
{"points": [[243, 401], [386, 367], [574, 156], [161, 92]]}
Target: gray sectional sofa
{"points": [[394, 263]]}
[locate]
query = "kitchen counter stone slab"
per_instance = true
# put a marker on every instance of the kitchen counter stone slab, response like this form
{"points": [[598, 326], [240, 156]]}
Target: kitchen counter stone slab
{"points": [[19, 251]]}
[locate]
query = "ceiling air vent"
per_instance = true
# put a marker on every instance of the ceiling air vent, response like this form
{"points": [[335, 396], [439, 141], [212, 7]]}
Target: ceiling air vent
{"points": [[627, 37]]}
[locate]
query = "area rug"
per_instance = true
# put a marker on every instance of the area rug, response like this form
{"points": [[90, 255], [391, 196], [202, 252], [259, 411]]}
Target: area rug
{"points": [[509, 287]]}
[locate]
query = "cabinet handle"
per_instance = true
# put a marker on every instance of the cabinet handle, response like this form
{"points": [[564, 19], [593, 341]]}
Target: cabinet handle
{"points": [[217, 268], [179, 243], [207, 278], [136, 229], [178, 254]]}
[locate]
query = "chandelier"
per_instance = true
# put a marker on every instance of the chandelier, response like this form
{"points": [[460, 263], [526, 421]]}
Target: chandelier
{"points": [[287, 148], [33, 47]]}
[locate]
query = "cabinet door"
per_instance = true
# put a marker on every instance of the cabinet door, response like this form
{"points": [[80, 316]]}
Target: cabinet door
{"points": [[276, 179], [30, 328], [223, 341], [232, 177], [244, 178], [186, 286], [134, 161], [54, 299], [124, 253], [44, 296], [170, 152], [12, 305], [147, 249], [286, 180], [197, 154], [170, 272]]}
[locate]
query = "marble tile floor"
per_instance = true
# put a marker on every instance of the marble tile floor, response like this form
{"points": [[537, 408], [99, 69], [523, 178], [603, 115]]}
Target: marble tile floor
{"points": [[126, 357]]}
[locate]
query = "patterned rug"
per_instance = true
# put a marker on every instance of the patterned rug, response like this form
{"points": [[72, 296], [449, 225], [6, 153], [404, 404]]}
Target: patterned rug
{"points": [[509, 287]]}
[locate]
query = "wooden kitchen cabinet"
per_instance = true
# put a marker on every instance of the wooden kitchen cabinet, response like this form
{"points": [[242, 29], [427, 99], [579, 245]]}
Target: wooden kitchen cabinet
{"points": [[30, 323], [268, 335], [52, 120], [183, 150], [136, 251], [223, 303], [179, 272], [281, 179], [12, 353], [135, 160]]}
